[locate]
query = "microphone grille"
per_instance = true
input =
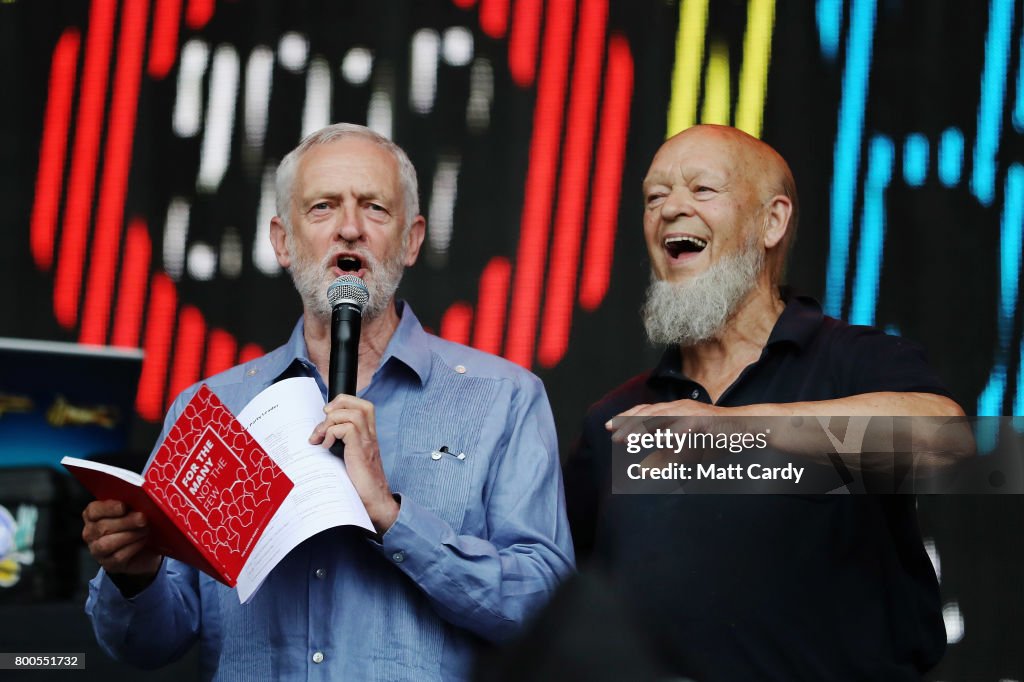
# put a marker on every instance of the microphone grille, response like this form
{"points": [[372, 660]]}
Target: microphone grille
{"points": [[348, 289]]}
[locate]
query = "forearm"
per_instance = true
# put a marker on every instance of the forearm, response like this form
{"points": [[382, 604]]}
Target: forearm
{"points": [[927, 430]]}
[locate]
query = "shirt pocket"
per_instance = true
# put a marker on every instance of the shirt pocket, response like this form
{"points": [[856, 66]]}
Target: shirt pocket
{"points": [[443, 452], [437, 479]]}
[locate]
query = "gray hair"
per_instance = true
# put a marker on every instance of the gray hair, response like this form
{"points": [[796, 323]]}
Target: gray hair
{"points": [[285, 180]]}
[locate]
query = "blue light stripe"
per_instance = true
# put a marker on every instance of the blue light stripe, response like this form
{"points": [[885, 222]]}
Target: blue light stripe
{"points": [[872, 232], [951, 156], [829, 14], [847, 151], [1011, 242], [1018, 403], [1018, 109], [915, 159], [990, 106]]}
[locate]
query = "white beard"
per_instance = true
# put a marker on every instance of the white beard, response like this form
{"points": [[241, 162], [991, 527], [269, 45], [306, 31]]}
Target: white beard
{"points": [[312, 279], [694, 311]]}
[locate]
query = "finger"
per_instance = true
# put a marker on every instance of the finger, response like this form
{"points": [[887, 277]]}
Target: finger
{"points": [[362, 420], [108, 545], [94, 530], [103, 509], [333, 418], [338, 432], [125, 554], [343, 401], [628, 413]]}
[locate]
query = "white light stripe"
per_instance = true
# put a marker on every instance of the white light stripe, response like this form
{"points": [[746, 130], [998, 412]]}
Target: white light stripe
{"points": [[188, 100], [202, 262], [259, 74], [457, 46], [481, 94], [357, 65], [423, 70], [292, 51], [954, 621], [317, 111], [442, 205], [175, 237], [220, 119], [230, 254], [262, 250], [378, 116]]}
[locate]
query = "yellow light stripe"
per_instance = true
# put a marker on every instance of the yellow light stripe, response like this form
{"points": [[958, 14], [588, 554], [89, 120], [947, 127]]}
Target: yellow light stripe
{"points": [[716, 86], [757, 47], [682, 110]]}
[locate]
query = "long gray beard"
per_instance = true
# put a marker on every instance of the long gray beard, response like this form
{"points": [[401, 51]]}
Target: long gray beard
{"points": [[312, 279], [691, 312]]}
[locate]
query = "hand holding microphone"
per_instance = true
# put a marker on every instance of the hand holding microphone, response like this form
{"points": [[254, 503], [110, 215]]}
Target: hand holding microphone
{"points": [[348, 296]]}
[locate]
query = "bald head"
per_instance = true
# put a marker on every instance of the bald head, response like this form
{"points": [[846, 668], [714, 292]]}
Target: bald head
{"points": [[747, 171]]}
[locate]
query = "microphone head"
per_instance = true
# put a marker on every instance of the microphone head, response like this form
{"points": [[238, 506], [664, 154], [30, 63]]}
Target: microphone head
{"points": [[348, 289]]}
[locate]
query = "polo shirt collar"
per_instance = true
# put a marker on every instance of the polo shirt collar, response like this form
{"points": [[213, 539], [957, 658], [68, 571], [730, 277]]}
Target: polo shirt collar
{"points": [[798, 322]]}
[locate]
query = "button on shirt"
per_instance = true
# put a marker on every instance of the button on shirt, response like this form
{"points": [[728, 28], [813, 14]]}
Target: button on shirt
{"points": [[479, 544]]}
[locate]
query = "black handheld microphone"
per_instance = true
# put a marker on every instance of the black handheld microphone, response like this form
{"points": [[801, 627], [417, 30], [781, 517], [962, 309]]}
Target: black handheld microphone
{"points": [[347, 296]]}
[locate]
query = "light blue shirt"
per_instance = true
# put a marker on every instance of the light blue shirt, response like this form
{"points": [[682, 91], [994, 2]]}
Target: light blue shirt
{"points": [[479, 545]]}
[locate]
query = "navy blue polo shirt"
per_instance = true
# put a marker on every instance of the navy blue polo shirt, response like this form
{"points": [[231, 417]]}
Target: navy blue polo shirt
{"points": [[769, 587]]}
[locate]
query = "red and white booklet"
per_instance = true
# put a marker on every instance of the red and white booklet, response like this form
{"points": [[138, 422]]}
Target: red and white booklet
{"points": [[230, 496]]}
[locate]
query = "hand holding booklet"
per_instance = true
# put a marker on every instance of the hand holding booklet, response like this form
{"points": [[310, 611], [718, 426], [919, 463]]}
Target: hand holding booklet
{"points": [[230, 496]]}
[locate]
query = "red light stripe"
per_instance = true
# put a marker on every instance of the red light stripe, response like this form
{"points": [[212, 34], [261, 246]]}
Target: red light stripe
{"points": [[540, 181], [464, 4], [188, 350], [611, 151], [491, 305], [250, 351], [71, 256], [522, 42], [132, 287], [198, 13], [54, 148], [455, 322], [164, 44], [494, 17], [117, 159], [572, 192], [163, 303], [220, 352]]}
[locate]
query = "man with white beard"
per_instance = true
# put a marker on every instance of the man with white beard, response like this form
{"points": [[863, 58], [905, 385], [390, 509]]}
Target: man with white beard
{"points": [[756, 587], [452, 451]]}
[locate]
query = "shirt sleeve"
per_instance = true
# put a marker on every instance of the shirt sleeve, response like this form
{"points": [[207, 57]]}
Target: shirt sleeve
{"points": [[161, 622], [153, 628], [491, 585], [874, 361]]}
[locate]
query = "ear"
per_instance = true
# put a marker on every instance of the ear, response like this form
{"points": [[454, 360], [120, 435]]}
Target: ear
{"points": [[780, 208], [417, 232], [279, 239]]}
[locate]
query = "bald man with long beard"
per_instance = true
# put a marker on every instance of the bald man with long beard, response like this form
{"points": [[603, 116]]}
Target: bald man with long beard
{"points": [[756, 587]]}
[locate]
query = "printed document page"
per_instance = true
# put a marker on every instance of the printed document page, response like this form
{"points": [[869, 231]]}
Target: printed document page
{"points": [[281, 419]]}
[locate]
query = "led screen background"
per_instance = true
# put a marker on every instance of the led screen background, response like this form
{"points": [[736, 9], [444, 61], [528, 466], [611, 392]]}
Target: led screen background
{"points": [[140, 137]]}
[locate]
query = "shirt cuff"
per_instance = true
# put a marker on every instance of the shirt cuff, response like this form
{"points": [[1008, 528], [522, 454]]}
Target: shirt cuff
{"points": [[414, 541], [116, 606]]}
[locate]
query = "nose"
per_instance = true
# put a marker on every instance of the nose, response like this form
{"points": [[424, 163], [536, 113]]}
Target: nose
{"points": [[349, 227], [679, 203]]}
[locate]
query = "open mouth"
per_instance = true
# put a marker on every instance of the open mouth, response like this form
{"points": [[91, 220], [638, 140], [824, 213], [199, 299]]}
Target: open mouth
{"points": [[677, 245], [349, 263]]}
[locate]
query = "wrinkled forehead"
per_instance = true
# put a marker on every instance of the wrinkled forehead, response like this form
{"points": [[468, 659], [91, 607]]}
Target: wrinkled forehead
{"points": [[706, 156], [364, 164]]}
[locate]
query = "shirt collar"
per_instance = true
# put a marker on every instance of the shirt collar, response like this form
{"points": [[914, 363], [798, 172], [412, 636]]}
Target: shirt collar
{"points": [[796, 325], [410, 345]]}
